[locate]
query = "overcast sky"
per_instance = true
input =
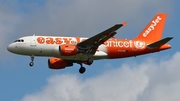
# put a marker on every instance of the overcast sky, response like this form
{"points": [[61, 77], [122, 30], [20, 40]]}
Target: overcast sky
{"points": [[153, 77]]}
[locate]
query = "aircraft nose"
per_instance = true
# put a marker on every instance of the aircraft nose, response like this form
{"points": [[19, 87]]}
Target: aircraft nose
{"points": [[10, 48]]}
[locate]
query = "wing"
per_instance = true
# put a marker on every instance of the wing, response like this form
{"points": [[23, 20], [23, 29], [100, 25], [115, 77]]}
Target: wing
{"points": [[90, 45]]}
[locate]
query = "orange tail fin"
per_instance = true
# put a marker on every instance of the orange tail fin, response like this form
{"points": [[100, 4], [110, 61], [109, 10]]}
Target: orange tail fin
{"points": [[153, 31]]}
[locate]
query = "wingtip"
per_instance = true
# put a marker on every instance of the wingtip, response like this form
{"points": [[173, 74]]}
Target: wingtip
{"points": [[170, 37], [124, 23]]}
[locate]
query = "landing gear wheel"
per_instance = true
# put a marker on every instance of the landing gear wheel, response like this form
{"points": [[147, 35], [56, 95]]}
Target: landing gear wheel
{"points": [[31, 64], [89, 61], [32, 61], [82, 70]]}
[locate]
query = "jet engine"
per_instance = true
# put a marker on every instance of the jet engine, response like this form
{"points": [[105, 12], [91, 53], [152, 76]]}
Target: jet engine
{"points": [[65, 50], [68, 50], [58, 63]]}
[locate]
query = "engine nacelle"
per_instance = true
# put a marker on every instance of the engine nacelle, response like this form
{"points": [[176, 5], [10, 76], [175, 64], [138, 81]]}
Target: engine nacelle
{"points": [[58, 63], [68, 50]]}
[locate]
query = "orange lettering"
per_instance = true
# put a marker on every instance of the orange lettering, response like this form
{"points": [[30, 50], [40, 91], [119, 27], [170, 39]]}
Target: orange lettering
{"points": [[72, 41], [49, 40], [66, 40], [40, 40], [58, 41], [78, 40]]}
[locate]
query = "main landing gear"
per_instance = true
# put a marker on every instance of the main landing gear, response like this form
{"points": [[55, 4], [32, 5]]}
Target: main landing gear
{"points": [[83, 69], [89, 61], [32, 61]]}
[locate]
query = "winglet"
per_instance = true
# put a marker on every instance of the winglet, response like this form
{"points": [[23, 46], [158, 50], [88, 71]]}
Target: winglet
{"points": [[124, 23]]}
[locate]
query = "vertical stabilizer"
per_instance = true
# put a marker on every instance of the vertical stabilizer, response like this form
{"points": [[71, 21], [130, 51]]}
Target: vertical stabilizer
{"points": [[153, 31]]}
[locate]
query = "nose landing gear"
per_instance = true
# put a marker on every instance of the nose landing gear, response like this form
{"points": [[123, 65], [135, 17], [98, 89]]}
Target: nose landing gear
{"points": [[32, 61]]}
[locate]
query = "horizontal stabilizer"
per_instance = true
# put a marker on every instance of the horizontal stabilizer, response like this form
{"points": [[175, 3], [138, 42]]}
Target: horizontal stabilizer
{"points": [[159, 43]]}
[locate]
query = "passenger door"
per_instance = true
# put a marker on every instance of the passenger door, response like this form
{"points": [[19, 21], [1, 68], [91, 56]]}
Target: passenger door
{"points": [[33, 41]]}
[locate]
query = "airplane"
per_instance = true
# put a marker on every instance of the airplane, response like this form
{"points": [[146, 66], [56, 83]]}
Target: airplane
{"points": [[65, 51]]}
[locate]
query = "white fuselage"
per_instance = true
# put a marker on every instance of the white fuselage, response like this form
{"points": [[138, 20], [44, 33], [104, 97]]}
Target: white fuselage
{"points": [[29, 46]]}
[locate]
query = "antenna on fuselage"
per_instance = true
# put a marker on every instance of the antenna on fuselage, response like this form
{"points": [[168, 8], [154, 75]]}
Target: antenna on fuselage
{"points": [[33, 34]]}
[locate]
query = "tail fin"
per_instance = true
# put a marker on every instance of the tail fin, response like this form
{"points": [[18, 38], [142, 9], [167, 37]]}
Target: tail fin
{"points": [[153, 31]]}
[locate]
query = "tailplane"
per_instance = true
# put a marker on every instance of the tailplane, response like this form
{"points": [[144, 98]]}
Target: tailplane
{"points": [[159, 43], [153, 31]]}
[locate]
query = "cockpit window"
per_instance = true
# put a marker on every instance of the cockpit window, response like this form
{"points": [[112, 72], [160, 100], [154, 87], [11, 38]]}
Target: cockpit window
{"points": [[19, 40]]}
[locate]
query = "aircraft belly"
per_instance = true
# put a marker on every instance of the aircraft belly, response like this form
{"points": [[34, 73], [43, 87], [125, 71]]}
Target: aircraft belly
{"points": [[83, 57]]}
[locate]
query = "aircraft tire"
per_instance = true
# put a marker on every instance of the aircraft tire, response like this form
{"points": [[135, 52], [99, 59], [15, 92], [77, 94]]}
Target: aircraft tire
{"points": [[82, 70], [89, 61], [31, 64]]}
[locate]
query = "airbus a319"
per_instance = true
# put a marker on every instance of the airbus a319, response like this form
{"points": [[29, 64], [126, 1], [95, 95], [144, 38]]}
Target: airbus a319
{"points": [[65, 51]]}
